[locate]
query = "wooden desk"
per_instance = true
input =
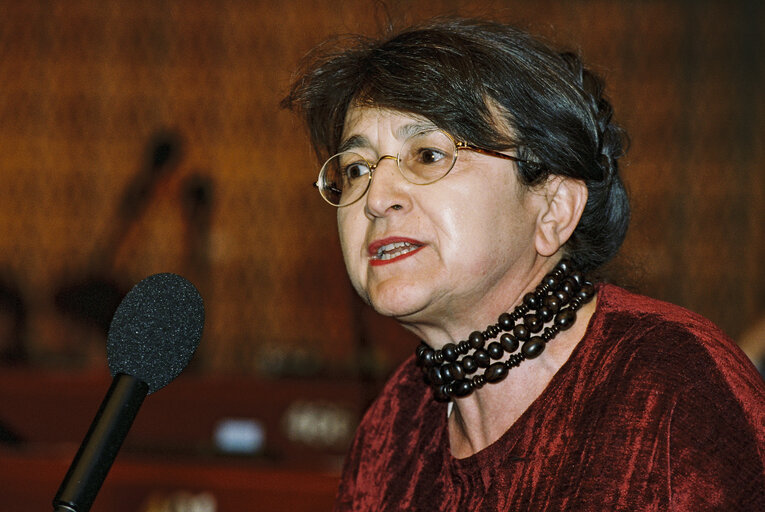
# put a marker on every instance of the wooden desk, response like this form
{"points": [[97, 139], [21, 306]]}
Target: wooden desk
{"points": [[29, 480], [170, 448]]}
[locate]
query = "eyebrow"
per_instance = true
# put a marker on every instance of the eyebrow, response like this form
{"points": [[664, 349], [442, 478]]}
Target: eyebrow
{"points": [[356, 141], [402, 133]]}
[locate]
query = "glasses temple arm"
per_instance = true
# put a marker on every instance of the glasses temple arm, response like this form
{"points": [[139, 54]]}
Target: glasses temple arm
{"points": [[489, 152]]}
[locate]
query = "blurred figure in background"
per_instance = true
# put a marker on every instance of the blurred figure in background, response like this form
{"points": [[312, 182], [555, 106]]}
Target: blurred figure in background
{"points": [[13, 325]]}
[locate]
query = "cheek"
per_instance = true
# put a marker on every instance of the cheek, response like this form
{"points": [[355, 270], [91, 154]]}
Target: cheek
{"points": [[351, 233], [343, 231], [480, 237]]}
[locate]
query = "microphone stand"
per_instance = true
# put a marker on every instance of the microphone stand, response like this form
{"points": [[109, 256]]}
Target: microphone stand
{"points": [[101, 444]]}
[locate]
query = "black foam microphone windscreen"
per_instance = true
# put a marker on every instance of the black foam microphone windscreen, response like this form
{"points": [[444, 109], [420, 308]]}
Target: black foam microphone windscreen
{"points": [[152, 337], [156, 330]]}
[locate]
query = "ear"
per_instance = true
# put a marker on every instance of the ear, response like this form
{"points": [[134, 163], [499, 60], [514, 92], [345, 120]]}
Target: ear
{"points": [[564, 201]]}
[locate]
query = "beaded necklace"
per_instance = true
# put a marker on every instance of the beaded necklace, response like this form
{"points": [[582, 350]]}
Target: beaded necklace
{"points": [[554, 301]]}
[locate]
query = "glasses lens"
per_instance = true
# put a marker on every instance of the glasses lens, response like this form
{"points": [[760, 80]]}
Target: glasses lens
{"points": [[344, 178], [427, 156]]}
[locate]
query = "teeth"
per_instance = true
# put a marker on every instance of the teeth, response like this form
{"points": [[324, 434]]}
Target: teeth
{"points": [[390, 251]]}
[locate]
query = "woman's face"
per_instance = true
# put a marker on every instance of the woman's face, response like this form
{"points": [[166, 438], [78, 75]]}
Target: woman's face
{"points": [[442, 252]]}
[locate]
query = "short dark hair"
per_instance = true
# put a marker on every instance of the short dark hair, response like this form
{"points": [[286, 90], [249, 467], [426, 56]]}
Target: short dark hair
{"points": [[475, 79]]}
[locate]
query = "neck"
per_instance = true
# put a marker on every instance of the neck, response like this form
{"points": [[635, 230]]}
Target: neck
{"points": [[542, 315], [449, 326], [484, 416]]}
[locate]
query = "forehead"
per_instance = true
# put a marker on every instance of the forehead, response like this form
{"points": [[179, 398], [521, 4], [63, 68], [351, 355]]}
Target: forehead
{"points": [[367, 125]]}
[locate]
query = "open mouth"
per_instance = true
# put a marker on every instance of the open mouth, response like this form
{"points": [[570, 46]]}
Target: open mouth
{"points": [[383, 252], [390, 251]]}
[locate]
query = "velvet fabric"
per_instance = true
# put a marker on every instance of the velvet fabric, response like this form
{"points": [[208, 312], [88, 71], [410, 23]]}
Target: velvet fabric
{"points": [[655, 410]]}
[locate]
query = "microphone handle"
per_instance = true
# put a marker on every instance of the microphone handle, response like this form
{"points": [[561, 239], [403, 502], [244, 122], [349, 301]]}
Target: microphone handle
{"points": [[101, 444]]}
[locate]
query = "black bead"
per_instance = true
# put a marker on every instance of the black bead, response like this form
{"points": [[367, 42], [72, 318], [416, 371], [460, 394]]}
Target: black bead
{"points": [[478, 381], [587, 292], [425, 356], [550, 280], [514, 360], [446, 373], [545, 314], [450, 352], [565, 318], [552, 303], [434, 376], [533, 347], [482, 358], [463, 347], [505, 321], [531, 300], [521, 332], [564, 266], [496, 372], [429, 358], [469, 364], [563, 297], [442, 393], [476, 339], [461, 388], [533, 323], [578, 277], [509, 343], [495, 350], [457, 371], [550, 332], [569, 286]]}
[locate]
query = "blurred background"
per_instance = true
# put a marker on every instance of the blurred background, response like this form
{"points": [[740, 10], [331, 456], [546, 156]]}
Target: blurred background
{"points": [[146, 136]]}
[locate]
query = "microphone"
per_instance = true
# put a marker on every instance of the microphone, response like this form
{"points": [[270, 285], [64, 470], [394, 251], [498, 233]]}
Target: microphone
{"points": [[151, 339]]}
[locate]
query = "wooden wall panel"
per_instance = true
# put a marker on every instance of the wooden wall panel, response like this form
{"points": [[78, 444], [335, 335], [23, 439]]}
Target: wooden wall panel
{"points": [[86, 85]]}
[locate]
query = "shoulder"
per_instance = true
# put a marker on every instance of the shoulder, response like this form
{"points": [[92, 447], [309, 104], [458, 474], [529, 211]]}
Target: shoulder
{"points": [[661, 370], [673, 349], [667, 330], [620, 305]]}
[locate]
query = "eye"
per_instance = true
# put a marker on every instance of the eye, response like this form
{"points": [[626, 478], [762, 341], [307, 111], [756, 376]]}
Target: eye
{"points": [[429, 156], [355, 170]]}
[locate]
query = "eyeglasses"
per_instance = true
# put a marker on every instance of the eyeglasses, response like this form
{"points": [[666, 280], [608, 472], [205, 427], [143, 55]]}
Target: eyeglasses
{"points": [[424, 158]]}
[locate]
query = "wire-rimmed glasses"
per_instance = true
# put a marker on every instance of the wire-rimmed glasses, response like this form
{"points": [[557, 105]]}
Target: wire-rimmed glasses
{"points": [[424, 158]]}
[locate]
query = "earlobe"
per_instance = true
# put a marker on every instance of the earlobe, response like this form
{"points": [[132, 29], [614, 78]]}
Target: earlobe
{"points": [[564, 202]]}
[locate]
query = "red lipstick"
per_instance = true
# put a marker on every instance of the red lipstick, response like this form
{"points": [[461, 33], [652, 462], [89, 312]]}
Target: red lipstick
{"points": [[392, 249]]}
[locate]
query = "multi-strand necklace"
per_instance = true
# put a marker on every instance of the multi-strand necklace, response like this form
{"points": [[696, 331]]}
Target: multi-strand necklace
{"points": [[540, 316]]}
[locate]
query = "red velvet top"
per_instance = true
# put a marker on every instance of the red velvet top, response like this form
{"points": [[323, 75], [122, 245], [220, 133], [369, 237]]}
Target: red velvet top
{"points": [[656, 409]]}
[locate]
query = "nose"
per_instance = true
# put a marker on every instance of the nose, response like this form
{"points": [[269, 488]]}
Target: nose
{"points": [[387, 188]]}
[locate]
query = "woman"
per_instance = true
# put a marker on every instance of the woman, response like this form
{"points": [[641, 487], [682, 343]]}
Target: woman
{"points": [[475, 174]]}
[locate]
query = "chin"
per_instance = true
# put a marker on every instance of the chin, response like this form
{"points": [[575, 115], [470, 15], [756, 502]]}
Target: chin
{"points": [[396, 312], [398, 303]]}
